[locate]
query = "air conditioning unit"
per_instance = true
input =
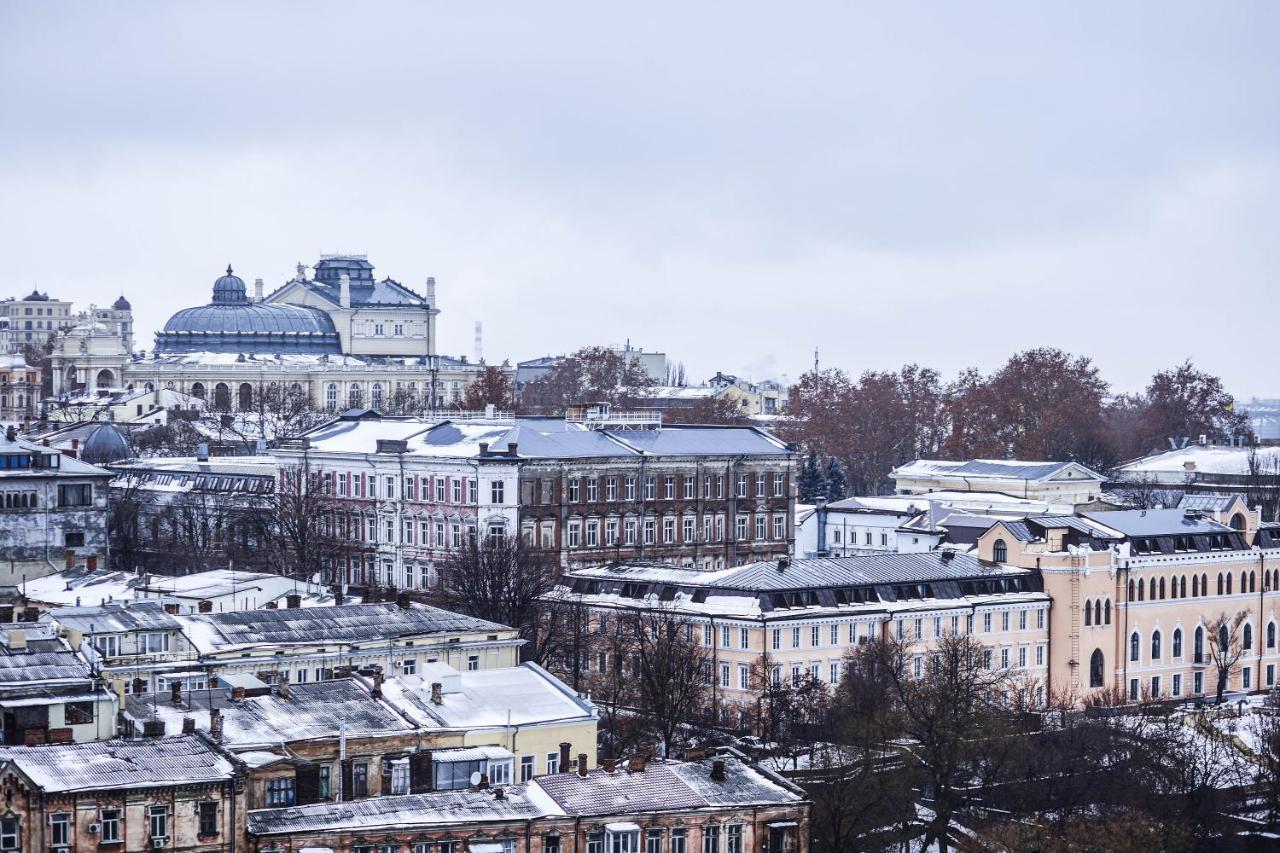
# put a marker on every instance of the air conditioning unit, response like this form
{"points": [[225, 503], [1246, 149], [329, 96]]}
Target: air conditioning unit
{"points": [[93, 828], [157, 842]]}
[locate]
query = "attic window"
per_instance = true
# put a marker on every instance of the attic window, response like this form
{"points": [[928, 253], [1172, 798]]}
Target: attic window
{"points": [[634, 590], [699, 596]]}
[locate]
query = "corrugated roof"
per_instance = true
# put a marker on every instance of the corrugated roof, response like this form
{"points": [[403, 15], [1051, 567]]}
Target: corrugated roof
{"points": [[116, 616], [348, 623], [116, 764]]}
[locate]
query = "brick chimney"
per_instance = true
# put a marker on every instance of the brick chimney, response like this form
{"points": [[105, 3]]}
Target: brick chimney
{"points": [[564, 756], [582, 764], [293, 601], [376, 690], [215, 723], [237, 694], [717, 770], [636, 764], [188, 725], [437, 693]]}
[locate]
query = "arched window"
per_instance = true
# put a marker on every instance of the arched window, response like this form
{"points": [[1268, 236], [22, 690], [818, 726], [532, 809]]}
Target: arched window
{"points": [[1182, 587], [1197, 644], [1237, 521], [295, 387], [1204, 584], [221, 397], [1155, 645], [331, 396], [1088, 613], [1220, 587], [1142, 591], [1134, 645], [1224, 637], [1162, 587], [1177, 642], [245, 395], [1246, 639], [1131, 597], [1000, 553], [1106, 612], [1097, 612], [1253, 582], [197, 390], [105, 378], [1195, 586], [375, 395], [1095, 668], [353, 395], [1271, 635], [1228, 583], [150, 386]]}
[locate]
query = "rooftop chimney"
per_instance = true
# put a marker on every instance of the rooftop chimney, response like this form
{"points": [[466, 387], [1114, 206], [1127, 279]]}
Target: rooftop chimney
{"points": [[582, 764], [293, 601], [205, 606], [717, 770], [484, 448], [610, 764], [202, 452], [437, 690], [376, 691], [783, 563], [635, 764], [564, 756], [257, 290], [139, 686], [215, 723], [431, 292], [344, 291], [282, 689], [237, 694], [188, 725], [175, 693], [484, 781], [511, 448], [498, 794], [403, 600], [17, 639]]}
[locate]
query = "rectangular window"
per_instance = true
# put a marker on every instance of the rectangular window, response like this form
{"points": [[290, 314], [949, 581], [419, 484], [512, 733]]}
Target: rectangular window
{"points": [[108, 826], [986, 623], [815, 635], [1271, 675], [1177, 684], [526, 768], [280, 792], [669, 529], [440, 489], [740, 528], [679, 840], [360, 779], [497, 492], [593, 533], [457, 489], [158, 821], [1004, 621], [208, 818], [630, 493], [1246, 678], [724, 675], [733, 836], [740, 489], [575, 489], [473, 489], [760, 528], [575, 533], [60, 829], [689, 485], [668, 493], [611, 531], [75, 495], [611, 488], [795, 638], [776, 641], [744, 677], [689, 528], [652, 841], [593, 490], [650, 527], [1039, 655], [553, 762], [1198, 682], [1040, 619], [710, 838], [1022, 656], [1022, 620]]}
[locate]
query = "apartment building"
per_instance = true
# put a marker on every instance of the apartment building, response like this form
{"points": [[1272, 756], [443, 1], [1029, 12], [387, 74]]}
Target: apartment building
{"points": [[1136, 594], [594, 487], [797, 619], [717, 804], [139, 647], [48, 693], [176, 794]]}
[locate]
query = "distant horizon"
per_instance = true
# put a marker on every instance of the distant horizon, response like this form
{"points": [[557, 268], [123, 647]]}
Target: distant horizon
{"points": [[891, 185]]}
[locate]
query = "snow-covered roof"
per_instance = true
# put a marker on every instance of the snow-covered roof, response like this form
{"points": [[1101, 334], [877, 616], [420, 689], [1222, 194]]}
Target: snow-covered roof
{"points": [[212, 633], [118, 764], [1202, 459], [663, 786], [992, 469], [78, 588], [310, 711], [522, 695]]}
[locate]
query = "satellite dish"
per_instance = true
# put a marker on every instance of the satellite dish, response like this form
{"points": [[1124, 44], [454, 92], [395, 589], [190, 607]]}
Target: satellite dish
{"points": [[475, 779]]}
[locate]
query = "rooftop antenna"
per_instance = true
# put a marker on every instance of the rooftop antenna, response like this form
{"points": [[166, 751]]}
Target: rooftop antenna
{"points": [[479, 343], [815, 359]]}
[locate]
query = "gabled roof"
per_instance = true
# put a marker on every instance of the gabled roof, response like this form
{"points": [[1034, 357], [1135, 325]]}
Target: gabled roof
{"points": [[1156, 522], [1209, 503]]}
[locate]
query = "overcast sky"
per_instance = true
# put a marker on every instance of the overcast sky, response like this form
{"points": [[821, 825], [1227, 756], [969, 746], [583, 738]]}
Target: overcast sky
{"points": [[733, 184]]}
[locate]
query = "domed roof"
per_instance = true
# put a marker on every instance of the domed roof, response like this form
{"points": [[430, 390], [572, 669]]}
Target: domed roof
{"points": [[121, 304], [37, 296], [104, 445], [229, 288]]}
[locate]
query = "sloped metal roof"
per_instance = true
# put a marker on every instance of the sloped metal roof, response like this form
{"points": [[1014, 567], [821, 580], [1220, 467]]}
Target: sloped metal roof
{"points": [[1156, 522], [117, 764], [348, 623]]}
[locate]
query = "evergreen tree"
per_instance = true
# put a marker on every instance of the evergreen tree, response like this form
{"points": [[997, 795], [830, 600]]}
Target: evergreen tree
{"points": [[811, 484], [834, 479]]}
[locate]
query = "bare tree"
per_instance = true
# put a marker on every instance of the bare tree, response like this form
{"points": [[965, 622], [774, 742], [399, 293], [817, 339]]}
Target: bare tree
{"points": [[125, 516], [284, 411], [590, 375], [1225, 647], [504, 580], [297, 529], [491, 388], [672, 674]]}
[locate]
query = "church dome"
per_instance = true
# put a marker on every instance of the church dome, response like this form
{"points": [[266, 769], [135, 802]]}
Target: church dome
{"points": [[231, 323], [105, 445], [229, 288], [121, 304]]}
